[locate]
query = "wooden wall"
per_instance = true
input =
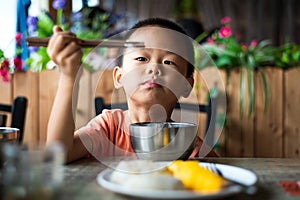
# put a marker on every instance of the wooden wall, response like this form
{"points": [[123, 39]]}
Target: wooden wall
{"points": [[271, 133]]}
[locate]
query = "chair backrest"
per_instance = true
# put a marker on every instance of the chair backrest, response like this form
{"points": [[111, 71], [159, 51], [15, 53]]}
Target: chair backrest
{"points": [[18, 114], [209, 109]]}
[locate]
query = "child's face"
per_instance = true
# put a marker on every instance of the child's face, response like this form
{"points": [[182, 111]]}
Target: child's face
{"points": [[155, 74]]}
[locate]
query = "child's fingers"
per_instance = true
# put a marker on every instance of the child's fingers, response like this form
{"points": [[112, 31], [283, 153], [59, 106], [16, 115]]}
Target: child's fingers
{"points": [[69, 55], [56, 29], [196, 150], [59, 41]]}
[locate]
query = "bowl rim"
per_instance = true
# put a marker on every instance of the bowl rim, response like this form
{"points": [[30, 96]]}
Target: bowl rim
{"points": [[9, 128], [172, 124]]}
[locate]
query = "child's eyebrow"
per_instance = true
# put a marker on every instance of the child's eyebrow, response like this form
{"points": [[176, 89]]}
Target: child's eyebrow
{"points": [[148, 50]]}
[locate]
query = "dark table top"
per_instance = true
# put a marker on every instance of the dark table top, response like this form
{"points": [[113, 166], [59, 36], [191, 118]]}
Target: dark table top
{"points": [[80, 178]]}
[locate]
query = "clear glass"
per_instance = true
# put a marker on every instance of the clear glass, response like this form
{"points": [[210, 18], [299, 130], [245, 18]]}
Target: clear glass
{"points": [[31, 173]]}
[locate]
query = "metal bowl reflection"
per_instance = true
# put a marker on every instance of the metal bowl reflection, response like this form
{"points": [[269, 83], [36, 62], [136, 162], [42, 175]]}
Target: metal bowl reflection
{"points": [[163, 141], [9, 135]]}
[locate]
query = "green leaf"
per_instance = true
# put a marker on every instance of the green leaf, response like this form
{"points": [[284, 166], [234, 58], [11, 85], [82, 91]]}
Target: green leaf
{"points": [[242, 92], [38, 61], [59, 16], [263, 44], [45, 25], [296, 56], [28, 61], [250, 62], [251, 91], [200, 37], [223, 61], [285, 58], [266, 89], [1, 54]]}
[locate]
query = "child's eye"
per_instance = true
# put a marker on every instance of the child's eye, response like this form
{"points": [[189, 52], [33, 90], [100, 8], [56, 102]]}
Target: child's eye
{"points": [[141, 59], [168, 62]]}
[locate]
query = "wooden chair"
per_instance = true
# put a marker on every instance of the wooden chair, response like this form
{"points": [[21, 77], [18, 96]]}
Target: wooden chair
{"points": [[18, 114], [209, 109]]}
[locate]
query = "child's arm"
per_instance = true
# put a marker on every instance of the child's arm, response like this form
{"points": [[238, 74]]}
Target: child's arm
{"points": [[64, 50]]}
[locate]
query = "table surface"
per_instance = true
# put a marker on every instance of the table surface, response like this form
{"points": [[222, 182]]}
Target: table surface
{"points": [[80, 178]]}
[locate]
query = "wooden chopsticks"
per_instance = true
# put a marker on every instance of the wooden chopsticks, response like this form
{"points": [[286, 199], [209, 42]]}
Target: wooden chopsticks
{"points": [[43, 42]]}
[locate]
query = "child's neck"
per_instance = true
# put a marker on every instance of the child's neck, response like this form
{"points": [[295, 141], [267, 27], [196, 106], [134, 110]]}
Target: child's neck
{"points": [[155, 113]]}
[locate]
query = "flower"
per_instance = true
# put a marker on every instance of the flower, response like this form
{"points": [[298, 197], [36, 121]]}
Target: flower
{"points": [[4, 70], [59, 4], [18, 63], [7, 65], [225, 32], [253, 43], [225, 20], [32, 25], [18, 39]]}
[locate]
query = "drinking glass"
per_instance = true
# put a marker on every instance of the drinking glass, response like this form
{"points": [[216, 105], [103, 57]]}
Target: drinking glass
{"points": [[35, 173]]}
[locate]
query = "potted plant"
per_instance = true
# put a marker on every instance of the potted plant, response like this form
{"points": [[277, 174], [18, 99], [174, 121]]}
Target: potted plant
{"points": [[228, 53]]}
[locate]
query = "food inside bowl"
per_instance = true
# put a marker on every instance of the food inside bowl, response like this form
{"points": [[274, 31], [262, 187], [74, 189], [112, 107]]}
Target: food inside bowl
{"points": [[175, 175]]}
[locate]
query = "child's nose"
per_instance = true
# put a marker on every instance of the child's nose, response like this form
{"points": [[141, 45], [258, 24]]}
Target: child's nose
{"points": [[153, 69]]}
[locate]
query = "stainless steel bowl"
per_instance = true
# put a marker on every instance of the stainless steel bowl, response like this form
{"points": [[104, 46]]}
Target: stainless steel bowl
{"points": [[9, 135], [163, 141]]}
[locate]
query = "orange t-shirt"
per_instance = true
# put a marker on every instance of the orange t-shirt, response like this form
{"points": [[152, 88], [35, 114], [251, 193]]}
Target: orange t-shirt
{"points": [[107, 134]]}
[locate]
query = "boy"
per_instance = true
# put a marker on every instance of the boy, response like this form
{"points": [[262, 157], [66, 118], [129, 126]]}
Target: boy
{"points": [[154, 78]]}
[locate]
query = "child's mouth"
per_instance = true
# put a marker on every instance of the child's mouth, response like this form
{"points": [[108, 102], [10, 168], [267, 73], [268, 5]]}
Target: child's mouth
{"points": [[151, 84]]}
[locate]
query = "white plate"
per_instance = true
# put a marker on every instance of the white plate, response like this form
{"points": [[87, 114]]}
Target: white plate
{"points": [[239, 174]]}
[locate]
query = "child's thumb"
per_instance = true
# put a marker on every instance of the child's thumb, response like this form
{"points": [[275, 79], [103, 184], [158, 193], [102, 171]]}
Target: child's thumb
{"points": [[56, 29]]}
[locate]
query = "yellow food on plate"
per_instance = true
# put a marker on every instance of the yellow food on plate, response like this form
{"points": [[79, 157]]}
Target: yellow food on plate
{"points": [[195, 177], [176, 175]]}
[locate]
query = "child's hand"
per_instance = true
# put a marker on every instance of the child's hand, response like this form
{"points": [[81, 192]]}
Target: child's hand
{"points": [[65, 51], [200, 144]]}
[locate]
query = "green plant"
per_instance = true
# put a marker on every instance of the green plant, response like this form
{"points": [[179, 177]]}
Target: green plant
{"points": [[89, 23], [228, 52], [287, 56]]}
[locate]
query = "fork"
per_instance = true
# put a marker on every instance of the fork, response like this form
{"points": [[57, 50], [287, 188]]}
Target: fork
{"points": [[248, 189]]}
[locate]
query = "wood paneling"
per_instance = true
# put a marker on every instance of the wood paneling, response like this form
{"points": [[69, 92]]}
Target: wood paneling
{"points": [[6, 91], [48, 83], [270, 133], [268, 123], [233, 133], [291, 133]]}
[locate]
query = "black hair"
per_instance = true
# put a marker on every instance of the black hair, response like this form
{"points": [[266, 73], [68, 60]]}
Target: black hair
{"points": [[163, 23]]}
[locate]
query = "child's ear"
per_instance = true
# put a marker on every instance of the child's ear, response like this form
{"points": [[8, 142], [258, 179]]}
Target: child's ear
{"points": [[189, 87], [117, 75]]}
